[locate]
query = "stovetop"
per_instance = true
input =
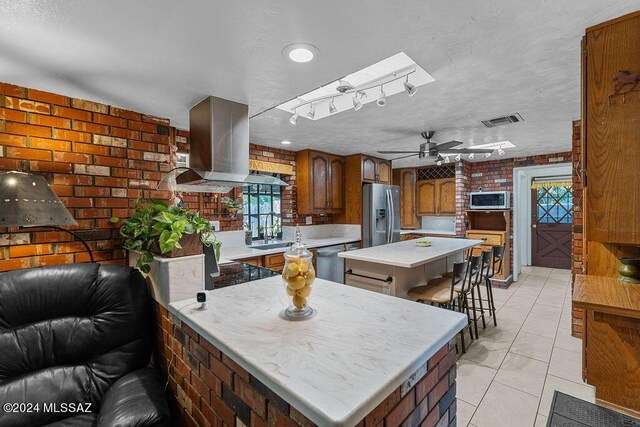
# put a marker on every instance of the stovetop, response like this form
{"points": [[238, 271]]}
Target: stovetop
{"points": [[236, 273]]}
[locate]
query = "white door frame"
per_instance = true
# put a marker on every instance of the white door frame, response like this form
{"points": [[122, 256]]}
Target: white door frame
{"points": [[522, 209]]}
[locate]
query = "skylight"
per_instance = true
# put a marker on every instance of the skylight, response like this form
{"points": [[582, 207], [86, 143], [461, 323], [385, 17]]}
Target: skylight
{"points": [[390, 73], [496, 145]]}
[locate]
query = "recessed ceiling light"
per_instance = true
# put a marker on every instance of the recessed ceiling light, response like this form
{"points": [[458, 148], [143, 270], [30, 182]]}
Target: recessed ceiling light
{"points": [[300, 52], [285, 142]]}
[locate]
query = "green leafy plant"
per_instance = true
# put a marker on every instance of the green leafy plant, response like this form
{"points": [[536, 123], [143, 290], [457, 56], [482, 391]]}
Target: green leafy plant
{"points": [[232, 203], [155, 221]]}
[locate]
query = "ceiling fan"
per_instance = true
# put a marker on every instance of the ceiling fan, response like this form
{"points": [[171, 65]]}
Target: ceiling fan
{"points": [[432, 149]]}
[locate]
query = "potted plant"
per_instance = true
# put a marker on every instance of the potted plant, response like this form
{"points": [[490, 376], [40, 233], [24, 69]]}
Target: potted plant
{"points": [[276, 229], [261, 231], [248, 234], [170, 231], [233, 206]]}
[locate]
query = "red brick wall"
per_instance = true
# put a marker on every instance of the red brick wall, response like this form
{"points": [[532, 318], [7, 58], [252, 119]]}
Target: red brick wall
{"points": [[99, 159], [207, 388], [463, 188], [577, 248], [497, 175]]}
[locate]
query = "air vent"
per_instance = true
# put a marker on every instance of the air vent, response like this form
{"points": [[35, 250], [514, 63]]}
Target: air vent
{"points": [[504, 120]]}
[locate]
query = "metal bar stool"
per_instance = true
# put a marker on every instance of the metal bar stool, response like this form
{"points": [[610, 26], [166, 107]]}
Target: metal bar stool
{"points": [[496, 268], [466, 288], [477, 279], [446, 293]]}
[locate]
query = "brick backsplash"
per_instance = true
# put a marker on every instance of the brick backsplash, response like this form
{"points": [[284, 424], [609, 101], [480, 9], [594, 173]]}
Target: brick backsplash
{"points": [[99, 159]]}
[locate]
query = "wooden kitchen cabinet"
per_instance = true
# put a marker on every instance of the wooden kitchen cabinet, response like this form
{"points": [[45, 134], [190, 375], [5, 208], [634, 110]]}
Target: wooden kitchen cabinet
{"points": [[493, 228], [320, 182], [376, 170], [436, 197], [275, 262], [406, 179]]}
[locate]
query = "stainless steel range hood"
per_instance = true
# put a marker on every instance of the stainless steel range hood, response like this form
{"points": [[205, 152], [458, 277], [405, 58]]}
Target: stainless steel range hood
{"points": [[219, 149]]}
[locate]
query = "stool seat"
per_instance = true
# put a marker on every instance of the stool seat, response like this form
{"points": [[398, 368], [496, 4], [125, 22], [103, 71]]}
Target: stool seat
{"points": [[438, 281], [439, 294]]}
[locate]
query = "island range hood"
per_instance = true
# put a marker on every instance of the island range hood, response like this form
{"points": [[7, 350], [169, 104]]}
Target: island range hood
{"points": [[219, 149]]}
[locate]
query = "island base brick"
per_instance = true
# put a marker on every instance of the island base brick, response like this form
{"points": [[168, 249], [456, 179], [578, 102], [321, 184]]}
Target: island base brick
{"points": [[229, 396]]}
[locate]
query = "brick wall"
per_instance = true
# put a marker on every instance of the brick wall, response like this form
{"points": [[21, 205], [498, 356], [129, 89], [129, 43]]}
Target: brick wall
{"points": [[207, 388], [577, 248], [98, 159], [497, 175], [463, 188]]}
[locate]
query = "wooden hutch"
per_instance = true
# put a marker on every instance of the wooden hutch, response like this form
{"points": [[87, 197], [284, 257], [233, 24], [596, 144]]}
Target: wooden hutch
{"points": [[494, 228]]}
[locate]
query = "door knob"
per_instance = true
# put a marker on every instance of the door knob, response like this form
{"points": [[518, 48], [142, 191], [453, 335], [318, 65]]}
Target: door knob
{"points": [[534, 226]]}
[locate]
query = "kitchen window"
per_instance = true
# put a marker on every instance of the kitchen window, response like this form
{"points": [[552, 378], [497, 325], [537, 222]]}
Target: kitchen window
{"points": [[259, 202]]}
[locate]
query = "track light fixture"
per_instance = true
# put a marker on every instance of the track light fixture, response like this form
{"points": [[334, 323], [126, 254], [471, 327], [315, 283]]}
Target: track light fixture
{"points": [[487, 154], [411, 89], [312, 112], [294, 119], [500, 152], [332, 107], [458, 157], [382, 99], [471, 156], [357, 104], [446, 159]]}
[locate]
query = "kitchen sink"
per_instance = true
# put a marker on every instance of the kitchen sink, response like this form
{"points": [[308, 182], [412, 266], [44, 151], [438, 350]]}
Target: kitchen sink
{"points": [[272, 245]]}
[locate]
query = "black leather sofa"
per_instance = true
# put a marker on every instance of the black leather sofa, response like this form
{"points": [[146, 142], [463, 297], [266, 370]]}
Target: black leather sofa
{"points": [[77, 338]]}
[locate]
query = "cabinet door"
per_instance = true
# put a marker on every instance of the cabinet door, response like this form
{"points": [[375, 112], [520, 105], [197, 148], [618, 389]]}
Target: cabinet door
{"points": [[336, 183], [384, 172], [446, 196], [369, 169], [319, 180], [426, 197], [408, 199]]}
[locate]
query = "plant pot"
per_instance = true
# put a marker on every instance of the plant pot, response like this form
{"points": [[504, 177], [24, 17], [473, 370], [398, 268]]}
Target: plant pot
{"points": [[191, 245], [629, 269], [248, 239]]}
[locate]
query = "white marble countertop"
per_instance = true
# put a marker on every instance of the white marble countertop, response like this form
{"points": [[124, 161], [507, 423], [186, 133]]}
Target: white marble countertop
{"points": [[428, 231], [240, 252], [408, 255], [335, 367]]}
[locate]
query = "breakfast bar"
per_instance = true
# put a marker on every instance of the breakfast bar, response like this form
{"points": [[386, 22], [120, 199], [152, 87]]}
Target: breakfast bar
{"points": [[362, 356], [395, 268]]}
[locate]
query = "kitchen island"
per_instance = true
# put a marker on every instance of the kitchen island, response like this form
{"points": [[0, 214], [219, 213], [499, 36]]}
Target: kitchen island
{"points": [[363, 358], [397, 267]]}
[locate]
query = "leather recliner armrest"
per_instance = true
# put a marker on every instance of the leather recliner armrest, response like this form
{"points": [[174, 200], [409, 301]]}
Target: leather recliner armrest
{"points": [[136, 399]]}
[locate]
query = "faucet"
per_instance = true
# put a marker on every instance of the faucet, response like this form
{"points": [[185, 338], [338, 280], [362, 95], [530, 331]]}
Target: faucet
{"points": [[266, 222]]}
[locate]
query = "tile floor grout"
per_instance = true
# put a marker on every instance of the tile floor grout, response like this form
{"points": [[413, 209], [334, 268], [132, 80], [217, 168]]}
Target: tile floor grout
{"points": [[541, 283]]}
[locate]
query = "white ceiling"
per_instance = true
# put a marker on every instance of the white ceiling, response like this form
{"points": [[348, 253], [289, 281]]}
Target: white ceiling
{"points": [[161, 57]]}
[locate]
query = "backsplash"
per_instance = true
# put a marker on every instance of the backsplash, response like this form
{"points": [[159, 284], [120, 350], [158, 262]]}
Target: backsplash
{"points": [[444, 223]]}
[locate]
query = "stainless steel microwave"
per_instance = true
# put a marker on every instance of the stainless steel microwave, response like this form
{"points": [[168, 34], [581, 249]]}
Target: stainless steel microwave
{"points": [[489, 200]]}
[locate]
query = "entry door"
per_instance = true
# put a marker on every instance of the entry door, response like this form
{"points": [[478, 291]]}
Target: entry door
{"points": [[551, 222]]}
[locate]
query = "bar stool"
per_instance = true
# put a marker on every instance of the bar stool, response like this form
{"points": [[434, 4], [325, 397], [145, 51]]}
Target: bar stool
{"points": [[482, 264], [496, 268], [443, 292]]}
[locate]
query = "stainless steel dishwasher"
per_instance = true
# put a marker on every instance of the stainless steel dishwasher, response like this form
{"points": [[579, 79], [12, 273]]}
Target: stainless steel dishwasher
{"points": [[330, 266]]}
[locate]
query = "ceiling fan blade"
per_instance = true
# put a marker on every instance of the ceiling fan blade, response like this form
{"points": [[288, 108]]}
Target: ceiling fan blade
{"points": [[404, 157], [466, 150], [399, 152], [447, 145]]}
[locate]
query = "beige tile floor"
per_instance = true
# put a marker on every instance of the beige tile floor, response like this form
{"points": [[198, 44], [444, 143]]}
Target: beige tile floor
{"points": [[507, 377]]}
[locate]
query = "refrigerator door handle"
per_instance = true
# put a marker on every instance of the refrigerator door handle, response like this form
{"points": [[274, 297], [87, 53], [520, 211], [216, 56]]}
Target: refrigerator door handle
{"points": [[389, 228], [393, 217]]}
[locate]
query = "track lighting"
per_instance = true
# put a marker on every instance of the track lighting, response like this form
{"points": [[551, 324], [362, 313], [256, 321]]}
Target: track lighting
{"points": [[344, 86], [439, 163], [382, 99], [294, 119], [411, 89], [357, 104], [487, 154], [446, 159], [458, 157], [471, 156], [500, 152], [311, 113], [332, 107]]}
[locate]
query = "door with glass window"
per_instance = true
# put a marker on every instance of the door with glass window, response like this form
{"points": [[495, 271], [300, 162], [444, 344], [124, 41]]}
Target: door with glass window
{"points": [[551, 223]]}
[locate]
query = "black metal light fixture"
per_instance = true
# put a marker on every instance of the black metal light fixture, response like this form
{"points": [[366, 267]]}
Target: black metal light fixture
{"points": [[27, 200]]}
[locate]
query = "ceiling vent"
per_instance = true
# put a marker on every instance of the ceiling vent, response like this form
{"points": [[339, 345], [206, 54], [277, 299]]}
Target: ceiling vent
{"points": [[504, 120]]}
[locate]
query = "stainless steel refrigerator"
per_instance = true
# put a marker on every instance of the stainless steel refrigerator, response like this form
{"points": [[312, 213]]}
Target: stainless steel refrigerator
{"points": [[380, 214]]}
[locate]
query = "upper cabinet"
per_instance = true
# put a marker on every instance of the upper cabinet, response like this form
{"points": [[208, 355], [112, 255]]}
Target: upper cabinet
{"points": [[375, 170], [320, 182], [406, 179], [611, 130], [436, 197]]}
